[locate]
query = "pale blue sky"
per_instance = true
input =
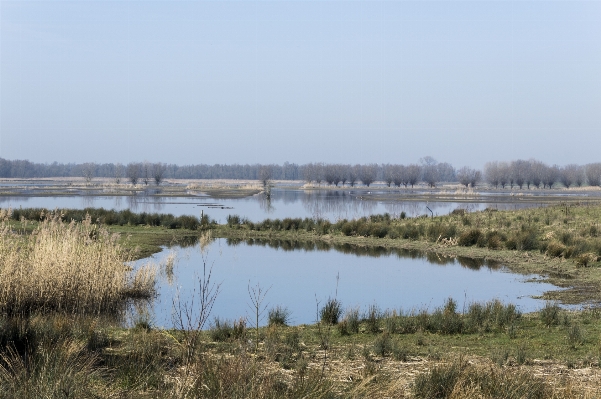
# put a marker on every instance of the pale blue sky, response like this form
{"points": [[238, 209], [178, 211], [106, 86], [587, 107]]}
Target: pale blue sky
{"points": [[300, 81]]}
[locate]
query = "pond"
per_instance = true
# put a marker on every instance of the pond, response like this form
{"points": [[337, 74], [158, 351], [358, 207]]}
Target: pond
{"points": [[302, 277], [327, 204]]}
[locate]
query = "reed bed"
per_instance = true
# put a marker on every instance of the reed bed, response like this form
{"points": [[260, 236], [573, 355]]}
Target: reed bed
{"points": [[66, 267]]}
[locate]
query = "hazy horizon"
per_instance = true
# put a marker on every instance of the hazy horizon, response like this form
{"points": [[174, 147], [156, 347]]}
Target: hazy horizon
{"points": [[245, 82]]}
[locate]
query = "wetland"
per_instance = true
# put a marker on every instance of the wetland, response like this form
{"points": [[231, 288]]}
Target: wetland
{"points": [[472, 290]]}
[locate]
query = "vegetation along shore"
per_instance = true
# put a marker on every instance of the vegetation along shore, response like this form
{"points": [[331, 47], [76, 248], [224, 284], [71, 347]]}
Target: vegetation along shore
{"points": [[63, 334]]}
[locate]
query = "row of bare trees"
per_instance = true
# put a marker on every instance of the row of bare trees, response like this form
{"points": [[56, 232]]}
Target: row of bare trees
{"points": [[519, 173], [533, 173], [144, 172]]}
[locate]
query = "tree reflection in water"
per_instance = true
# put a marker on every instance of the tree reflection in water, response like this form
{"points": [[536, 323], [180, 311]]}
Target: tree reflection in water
{"points": [[370, 251]]}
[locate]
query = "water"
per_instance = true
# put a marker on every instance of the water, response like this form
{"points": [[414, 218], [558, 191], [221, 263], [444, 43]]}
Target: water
{"points": [[302, 278], [326, 204]]}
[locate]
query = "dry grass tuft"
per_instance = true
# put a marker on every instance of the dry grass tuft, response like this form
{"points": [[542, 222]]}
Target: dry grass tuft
{"points": [[66, 267]]}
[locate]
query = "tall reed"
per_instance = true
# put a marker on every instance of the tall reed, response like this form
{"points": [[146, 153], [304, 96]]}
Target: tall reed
{"points": [[66, 267]]}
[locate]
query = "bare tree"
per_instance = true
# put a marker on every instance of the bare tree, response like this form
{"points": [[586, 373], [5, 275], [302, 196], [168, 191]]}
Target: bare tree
{"points": [[133, 172], [309, 172], [412, 174], [550, 174], [491, 173], [475, 178], [118, 173], [158, 172], [464, 175], [87, 170], [353, 174], [519, 172], [446, 171], [368, 174], [535, 172], [388, 174], [398, 175], [593, 174], [571, 174], [579, 176], [504, 174], [344, 173], [265, 175], [331, 174], [428, 160], [467, 176], [146, 172], [431, 175]]}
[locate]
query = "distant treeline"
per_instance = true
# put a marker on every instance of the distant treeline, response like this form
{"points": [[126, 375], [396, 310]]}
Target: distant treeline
{"points": [[519, 173]]}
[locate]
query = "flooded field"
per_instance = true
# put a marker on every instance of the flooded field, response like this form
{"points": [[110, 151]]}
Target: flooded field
{"points": [[327, 204]]}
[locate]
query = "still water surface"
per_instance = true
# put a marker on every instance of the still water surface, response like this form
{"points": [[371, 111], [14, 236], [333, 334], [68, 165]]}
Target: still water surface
{"points": [[326, 204], [300, 278]]}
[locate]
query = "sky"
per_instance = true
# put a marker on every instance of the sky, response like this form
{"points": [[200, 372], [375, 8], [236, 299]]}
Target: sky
{"points": [[192, 82]]}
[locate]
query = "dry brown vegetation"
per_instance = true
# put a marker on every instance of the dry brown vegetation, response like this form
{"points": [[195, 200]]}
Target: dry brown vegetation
{"points": [[66, 267]]}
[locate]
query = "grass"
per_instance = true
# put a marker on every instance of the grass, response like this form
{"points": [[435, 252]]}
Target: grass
{"points": [[66, 344], [66, 267]]}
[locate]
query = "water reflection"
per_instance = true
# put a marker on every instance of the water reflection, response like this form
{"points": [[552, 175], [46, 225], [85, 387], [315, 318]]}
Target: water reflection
{"points": [[301, 273], [326, 204], [370, 251]]}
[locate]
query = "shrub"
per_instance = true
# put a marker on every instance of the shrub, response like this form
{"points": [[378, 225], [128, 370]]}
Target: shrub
{"points": [[555, 249], [549, 314], [383, 345], [279, 316], [526, 240], [221, 330], [494, 240], [470, 237], [331, 311], [575, 335], [233, 220]]}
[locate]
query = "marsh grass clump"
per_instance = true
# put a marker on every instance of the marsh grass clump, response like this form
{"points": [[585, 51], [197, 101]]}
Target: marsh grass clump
{"points": [[460, 380], [350, 323], [279, 316], [550, 314], [491, 316], [71, 267], [470, 237], [58, 370], [372, 319], [575, 335], [438, 382], [383, 345], [330, 313]]}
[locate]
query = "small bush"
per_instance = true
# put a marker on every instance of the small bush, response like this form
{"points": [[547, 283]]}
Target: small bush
{"points": [[331, 311], [549, 314], [383, 345], [470, 237], [233, 220], [400, 353], [279, 316], [526, 240], [221, 330], [575, 335], [555, 249]]}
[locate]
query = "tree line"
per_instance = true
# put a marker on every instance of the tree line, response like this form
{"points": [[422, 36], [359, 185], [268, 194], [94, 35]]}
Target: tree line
{"points": [[522, 174]]}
